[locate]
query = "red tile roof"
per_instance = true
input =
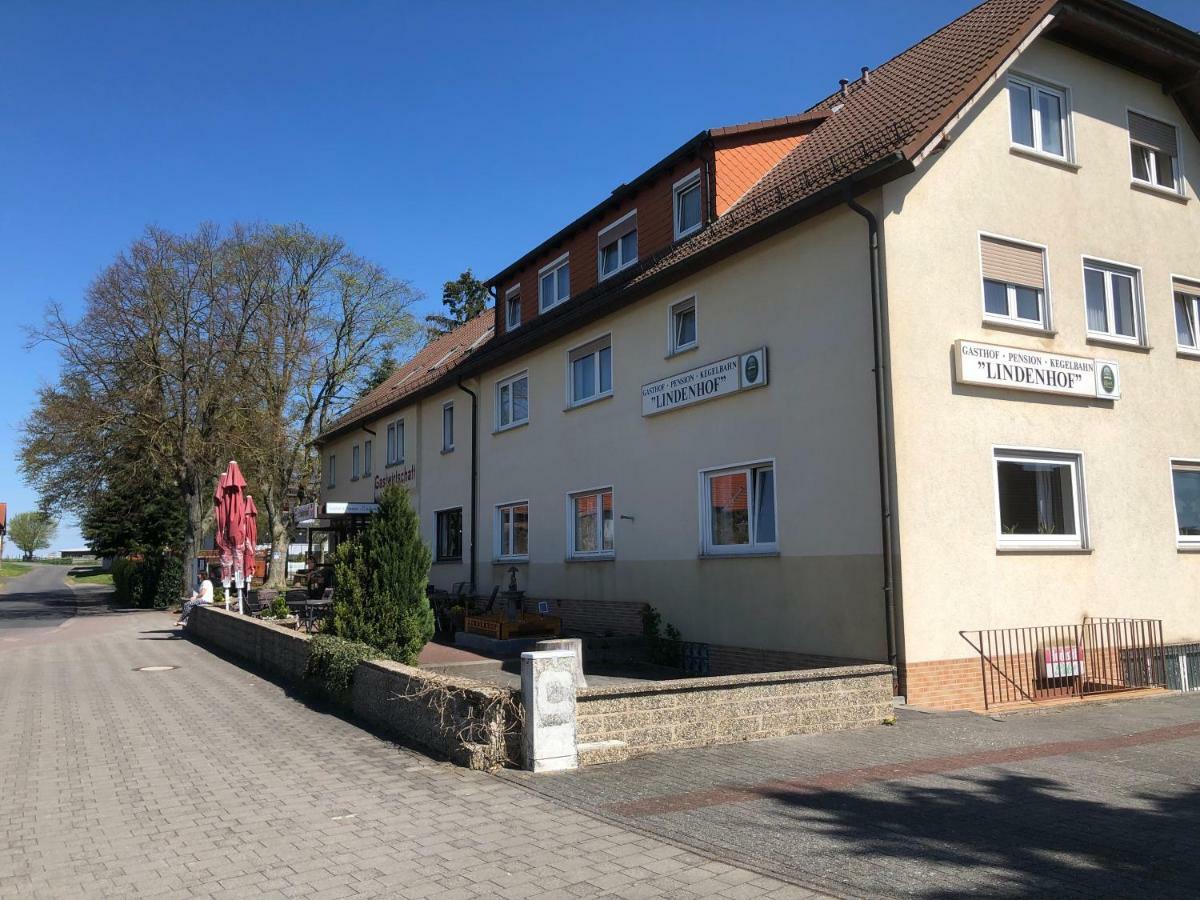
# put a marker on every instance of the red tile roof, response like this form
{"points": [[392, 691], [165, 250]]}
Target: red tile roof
{"points": [[430, 364]]}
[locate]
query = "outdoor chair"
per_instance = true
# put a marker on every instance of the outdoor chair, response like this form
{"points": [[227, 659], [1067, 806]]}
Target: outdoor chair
{"points": [[491, 600]]}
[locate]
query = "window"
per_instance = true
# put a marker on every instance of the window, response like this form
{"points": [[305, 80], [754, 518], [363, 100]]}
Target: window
{"points": [[590, 371], [447, 427], [1187, 315], [512, 530], [1039, 115], [331, 476], [1185, 481], [687, 205], [591, 524], [395, 443], [449, 535], [618, 245], [738, 510], [1154, 152], [1039, 500], [683, 326], [1114, 302], [512, 308], [554, 283], [1014, 282], [368, 452], [355, 464], [512, 401]]}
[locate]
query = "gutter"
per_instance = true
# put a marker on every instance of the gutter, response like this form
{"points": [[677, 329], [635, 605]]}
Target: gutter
{"points": [[883, 414], [474, 477]]}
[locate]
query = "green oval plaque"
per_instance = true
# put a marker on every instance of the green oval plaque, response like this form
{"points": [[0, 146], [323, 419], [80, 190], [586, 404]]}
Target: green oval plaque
{"points": [[1108, 379], [752, 370]]}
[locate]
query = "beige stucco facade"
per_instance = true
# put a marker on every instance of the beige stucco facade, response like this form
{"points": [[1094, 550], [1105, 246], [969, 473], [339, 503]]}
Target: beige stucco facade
{"points": [[952, 573], [804, 295]]}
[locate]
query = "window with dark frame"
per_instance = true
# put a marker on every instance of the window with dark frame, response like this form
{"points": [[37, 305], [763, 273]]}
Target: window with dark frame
{"points": [[449, 535]]}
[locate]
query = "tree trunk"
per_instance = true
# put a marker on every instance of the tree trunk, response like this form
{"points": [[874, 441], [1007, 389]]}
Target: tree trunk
{"points": [[194, 540], [277, 578]]}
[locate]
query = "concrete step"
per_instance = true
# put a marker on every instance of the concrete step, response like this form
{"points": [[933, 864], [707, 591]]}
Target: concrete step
{"points": [[599, 752]]}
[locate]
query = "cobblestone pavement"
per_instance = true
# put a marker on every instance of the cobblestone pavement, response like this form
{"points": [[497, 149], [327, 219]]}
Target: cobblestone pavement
{"points": [[1093, 800], [206, 780]]}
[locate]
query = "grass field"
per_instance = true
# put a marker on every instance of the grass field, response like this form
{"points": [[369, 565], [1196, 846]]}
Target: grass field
{"points": [[90, 575], [12, 569]]}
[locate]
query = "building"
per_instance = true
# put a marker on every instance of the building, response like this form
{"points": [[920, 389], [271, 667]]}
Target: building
{"points": [[849, 382]]}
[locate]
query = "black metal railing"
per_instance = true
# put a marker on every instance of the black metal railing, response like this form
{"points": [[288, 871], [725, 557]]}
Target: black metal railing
{"points": [[1047, 662]]}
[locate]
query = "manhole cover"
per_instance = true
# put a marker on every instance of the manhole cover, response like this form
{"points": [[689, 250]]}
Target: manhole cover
{"points": [[156, 669]]}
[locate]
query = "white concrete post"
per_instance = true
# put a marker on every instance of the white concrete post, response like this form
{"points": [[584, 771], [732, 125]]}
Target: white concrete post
{"points": [[575, 645], [548, 693]]}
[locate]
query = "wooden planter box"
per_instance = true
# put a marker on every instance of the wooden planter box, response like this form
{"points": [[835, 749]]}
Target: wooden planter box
{"points": [[497, 626]]}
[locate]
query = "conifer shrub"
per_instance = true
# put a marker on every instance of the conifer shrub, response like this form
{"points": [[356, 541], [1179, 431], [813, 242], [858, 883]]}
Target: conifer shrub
{"points": [[380, 579]]}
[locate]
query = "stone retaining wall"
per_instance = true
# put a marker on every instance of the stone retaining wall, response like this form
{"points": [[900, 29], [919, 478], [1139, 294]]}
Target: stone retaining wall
{"points": [[470, 723], [694, 712]]}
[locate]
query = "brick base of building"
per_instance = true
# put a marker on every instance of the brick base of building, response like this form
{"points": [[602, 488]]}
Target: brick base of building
{"points": [[943, 683]]}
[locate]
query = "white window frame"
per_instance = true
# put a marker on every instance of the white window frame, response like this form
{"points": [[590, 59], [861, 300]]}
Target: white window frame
{"points": [[1063, 94], [331, 466], [1182, 541], [754, 548], [1108, 266], [1152, 165], [572, 553], [673, 347], [554, 266], [1012, 320], [684, 184], [572, 401], [514, 291], [437, 534], [498, 519], [368, 453], [508, 382], [395, 442], [1048, 542], [622, 263], [355, 463], [1194, 283], [448, 445]]}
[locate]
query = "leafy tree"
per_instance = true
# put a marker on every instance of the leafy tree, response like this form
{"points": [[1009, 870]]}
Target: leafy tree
{"points": [[380, 581], [464, 299], [132, 509], [31, 531], [380, 372]]}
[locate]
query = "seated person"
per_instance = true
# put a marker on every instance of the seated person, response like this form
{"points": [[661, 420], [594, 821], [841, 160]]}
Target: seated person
{"points": [[201, 596]]}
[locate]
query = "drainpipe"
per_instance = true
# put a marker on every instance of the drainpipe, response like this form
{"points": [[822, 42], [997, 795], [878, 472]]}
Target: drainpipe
{"points": [[882, 422], [474, 476]]}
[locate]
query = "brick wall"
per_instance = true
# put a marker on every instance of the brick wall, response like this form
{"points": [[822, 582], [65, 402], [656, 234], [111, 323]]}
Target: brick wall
{"points": [[943, 683], [598, 617], [701, 711], [269, 648]]}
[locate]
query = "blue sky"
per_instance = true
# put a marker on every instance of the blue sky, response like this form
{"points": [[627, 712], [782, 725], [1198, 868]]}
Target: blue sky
{"points": [[431, 136]]}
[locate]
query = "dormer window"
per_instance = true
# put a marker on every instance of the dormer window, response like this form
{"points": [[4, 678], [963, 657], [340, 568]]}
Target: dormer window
{"points": [[687, 205], [512, 308], [1154, 152], [618, 245], [554, 283]]}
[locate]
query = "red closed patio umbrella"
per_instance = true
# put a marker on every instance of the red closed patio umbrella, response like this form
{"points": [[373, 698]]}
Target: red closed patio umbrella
{"points": [[232, 526], [251, 542], [224, 551]]}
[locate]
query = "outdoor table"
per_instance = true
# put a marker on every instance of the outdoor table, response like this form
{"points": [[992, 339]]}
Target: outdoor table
{"points": [[308, 605]]}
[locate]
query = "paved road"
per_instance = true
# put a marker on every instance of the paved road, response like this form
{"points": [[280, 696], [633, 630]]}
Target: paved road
{"points": [[205, 780], [1095, 800]]}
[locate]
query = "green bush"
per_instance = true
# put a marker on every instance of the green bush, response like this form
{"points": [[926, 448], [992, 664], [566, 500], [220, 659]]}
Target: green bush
{"points": [[279, 608], [155, 582], [664, 646], [332, 661], [127, 581], [380, 579]]}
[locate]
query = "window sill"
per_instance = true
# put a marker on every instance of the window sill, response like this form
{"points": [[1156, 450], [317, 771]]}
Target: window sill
{"points": [[446, 450], [511, 427], [1187, 548], [1188, 352], [1022, 549], [691, 348], [593, 557], [588, 402], [393, 465], [1116, 343], [680, 235], [747, 554], [1158, 191], [1039, 156], [1013, 325], [453, 561], [509, 560], [617, 271]]}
